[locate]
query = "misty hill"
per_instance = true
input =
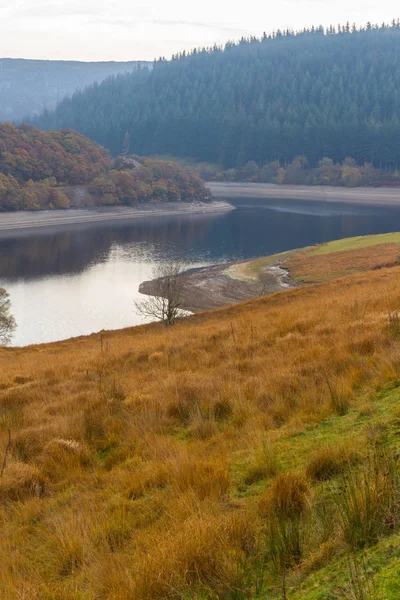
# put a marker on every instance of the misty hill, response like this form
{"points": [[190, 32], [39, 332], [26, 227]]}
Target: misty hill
{"points": [[315, 93], [27, 87]]}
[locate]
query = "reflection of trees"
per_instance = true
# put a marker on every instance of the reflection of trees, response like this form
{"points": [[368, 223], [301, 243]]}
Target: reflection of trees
{"points": [[244, 233], [71, 251]]}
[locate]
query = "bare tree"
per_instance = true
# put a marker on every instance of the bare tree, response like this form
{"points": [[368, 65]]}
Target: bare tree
{"points": [[263, 282], [165, 301], [7, 321]]}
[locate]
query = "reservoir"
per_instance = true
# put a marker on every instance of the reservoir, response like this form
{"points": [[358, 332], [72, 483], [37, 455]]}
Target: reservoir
{"points": [[82, 279]]}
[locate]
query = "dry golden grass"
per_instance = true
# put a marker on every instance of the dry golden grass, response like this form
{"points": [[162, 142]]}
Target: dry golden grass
{"points": [[137, 472], [327, 461], [310, 267], [288, 496]]}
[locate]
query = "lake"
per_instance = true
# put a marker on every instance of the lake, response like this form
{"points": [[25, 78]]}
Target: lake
{"points": [[84, 279]]}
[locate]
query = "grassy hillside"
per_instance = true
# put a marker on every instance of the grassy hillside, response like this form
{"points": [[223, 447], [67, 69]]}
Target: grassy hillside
{"points": [[250, 452], [325, 262], [342, 257]]}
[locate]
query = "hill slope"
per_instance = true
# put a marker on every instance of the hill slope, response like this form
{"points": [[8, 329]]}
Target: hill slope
{"points": [[29, 86], [237, 454], [314, 94]]}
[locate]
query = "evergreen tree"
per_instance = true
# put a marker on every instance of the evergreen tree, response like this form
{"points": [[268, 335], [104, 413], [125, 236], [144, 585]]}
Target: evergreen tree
{"points": [[316, 93]]}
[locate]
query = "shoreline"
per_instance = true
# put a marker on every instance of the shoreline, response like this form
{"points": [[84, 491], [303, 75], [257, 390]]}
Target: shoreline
{"points": [[25, 221], [216, 286], [370, 196]]}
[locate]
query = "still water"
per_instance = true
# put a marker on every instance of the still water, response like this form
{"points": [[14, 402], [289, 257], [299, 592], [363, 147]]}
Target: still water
{"points": [[80, 280]]}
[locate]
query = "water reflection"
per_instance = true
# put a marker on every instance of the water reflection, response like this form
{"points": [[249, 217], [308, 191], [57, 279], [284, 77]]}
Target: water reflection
{"points": [[72, 251], [79, 280]]}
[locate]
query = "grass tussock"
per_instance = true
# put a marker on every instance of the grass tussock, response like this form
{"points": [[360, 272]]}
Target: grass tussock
{"points": [[327, 462], [369, 501], [224, 457], [21, 481], [288, 497]]}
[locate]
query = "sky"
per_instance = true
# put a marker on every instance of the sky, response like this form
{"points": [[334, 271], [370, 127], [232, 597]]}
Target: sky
{"points": [[139, 30]]}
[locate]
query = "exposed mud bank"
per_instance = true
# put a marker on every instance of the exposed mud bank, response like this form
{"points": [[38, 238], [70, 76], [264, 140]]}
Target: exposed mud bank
{"points": [[24, 221], [381, 196], [212, 287]]}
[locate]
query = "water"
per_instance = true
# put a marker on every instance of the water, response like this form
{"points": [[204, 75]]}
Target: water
{"points": [[78, 281]]}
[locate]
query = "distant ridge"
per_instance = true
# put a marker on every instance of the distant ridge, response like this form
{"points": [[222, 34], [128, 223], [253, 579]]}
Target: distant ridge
{"points": [[27, 87]]}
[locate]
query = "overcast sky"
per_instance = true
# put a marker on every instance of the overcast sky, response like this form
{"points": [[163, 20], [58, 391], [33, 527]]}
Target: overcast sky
{"points": [[130, 29]]}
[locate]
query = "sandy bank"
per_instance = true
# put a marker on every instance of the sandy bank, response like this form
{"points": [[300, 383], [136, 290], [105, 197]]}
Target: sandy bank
{"points": [[13, 222], [363, 195]]}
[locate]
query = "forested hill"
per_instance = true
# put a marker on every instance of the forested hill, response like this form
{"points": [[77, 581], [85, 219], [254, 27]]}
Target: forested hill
{"points": [[27, 87], [316, 93], [59, 169]]}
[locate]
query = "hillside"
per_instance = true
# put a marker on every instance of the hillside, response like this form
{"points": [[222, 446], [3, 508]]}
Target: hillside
{"points": [[27, 87], [318, 94], [325, 262], [251, 452], [59, 169]]}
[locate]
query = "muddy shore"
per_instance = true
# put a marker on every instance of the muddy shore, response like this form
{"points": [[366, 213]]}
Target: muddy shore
{"points": [[25, 221], [212, 287], [381, 196]]}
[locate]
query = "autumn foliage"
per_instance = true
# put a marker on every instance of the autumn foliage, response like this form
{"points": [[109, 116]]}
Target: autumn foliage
{"points": [[39, 170], [27, 153], [155, 180], [34, 162]]}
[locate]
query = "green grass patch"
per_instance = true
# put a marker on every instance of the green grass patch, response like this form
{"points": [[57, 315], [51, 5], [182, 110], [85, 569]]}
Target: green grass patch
{"points": [[357, 242]]}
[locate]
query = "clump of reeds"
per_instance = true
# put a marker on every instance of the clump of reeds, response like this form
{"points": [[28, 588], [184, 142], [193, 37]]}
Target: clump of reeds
{"points": [[264, 464], [368, 501], [329, 461]]}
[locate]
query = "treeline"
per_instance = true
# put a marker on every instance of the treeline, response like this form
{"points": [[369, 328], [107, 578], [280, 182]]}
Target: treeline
{"points": [[316, 93], [299, 172], [41, 170], [31, 196], [154, 180]]}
